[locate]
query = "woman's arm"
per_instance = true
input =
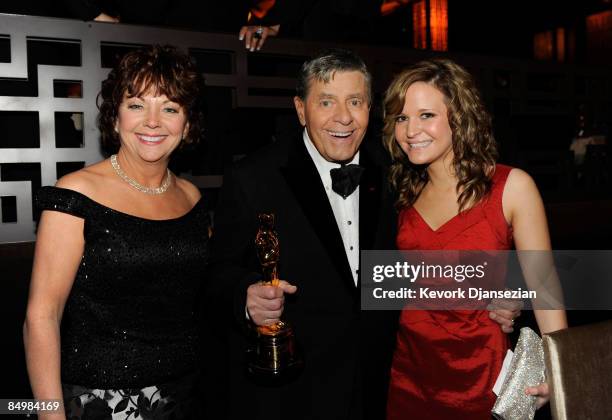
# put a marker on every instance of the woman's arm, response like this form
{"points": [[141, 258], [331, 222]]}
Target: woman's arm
{"points": [[525, 212], [59, 247]]}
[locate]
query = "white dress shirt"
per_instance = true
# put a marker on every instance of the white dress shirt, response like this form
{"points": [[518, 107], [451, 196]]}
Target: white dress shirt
{"points": [[346, 211]]}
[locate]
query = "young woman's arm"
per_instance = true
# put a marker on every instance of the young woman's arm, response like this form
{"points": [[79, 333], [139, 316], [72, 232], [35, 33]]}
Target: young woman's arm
{"points": [[524, 210]]}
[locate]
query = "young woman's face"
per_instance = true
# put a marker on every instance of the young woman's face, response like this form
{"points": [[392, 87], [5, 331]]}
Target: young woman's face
{"points": [[422, 130]]}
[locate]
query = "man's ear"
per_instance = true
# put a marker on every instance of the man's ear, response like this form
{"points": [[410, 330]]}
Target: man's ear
{"points": [[300, 109]]}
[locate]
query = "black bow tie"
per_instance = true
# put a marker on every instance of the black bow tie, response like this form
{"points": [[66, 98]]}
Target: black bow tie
{"points": [[345, 179]]}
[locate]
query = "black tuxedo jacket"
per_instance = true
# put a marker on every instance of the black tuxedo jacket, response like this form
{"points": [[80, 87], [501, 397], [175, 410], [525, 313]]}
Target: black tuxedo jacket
{"points": [[347, 352]]}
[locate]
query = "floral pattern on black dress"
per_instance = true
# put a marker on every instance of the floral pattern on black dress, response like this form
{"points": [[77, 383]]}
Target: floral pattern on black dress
{"points": [[158, 402]]}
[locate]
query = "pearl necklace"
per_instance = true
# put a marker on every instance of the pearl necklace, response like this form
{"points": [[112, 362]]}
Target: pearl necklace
{"points": [[147, 190]]}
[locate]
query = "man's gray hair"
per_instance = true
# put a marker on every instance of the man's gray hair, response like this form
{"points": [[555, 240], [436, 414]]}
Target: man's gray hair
{"points": [[325, 64]]}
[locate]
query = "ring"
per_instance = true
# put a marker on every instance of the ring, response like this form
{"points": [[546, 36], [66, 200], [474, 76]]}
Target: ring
{"points": [[258, 32]]}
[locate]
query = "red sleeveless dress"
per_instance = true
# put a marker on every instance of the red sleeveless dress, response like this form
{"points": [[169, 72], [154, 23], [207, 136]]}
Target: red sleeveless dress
{"points": [[446, 362]]}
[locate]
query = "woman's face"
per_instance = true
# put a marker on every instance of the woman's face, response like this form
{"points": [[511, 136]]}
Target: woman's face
{"points": [[151, 127], [422, 130]]}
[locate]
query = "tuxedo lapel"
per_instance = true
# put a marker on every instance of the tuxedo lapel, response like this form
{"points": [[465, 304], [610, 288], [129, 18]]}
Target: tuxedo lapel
{"points": [[303, 180]]}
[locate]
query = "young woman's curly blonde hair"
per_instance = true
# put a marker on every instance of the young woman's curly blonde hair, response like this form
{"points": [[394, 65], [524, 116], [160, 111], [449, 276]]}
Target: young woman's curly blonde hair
{"points": [[473, 143]]}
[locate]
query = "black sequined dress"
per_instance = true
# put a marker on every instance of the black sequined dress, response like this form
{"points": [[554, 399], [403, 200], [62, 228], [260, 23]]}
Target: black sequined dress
{"points": [[129, 335]]}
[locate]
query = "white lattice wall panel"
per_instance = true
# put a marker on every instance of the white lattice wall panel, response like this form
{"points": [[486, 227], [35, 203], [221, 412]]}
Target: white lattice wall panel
{"points": [[91, 36]]}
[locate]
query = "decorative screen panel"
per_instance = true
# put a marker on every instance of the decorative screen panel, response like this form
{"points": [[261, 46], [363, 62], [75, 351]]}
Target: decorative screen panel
{"points": [[50, 73]]}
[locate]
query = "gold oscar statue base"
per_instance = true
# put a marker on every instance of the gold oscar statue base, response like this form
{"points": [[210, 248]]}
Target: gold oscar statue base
{"points": [[274, 353]]}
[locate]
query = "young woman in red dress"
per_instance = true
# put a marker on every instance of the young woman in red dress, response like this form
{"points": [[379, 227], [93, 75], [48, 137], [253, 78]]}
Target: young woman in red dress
{"points": [[453, 196]]}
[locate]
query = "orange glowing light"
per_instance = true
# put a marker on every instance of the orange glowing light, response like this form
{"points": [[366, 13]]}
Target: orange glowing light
{"points": [[599, 22], [560, 45], [261, 8], [543, 45], [419, 25], [438, 23], [599, 36], [391, 6]]}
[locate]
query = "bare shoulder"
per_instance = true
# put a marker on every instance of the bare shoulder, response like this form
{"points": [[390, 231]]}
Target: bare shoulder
{"points": [[518, 184], [520, 194], [519, 178], [85, 181], [191, 191]]}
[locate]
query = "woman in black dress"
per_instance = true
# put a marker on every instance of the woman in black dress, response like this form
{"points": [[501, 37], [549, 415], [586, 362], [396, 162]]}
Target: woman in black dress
{"points": [[120, 254]]}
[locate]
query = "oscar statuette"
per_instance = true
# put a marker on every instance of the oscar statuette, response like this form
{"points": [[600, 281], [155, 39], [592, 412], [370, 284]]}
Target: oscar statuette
{"points": [[274, 353]]}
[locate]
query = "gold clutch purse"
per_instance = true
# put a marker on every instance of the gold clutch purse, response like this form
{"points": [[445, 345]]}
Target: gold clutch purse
{"points": [[526, 369]]}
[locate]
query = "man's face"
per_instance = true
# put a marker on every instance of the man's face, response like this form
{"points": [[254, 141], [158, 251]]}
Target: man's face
{"points": [[336, 114]]}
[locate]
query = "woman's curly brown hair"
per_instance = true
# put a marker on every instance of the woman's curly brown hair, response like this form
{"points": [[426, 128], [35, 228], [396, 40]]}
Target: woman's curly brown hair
{"points": [[474, 147], [162, 70]]}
